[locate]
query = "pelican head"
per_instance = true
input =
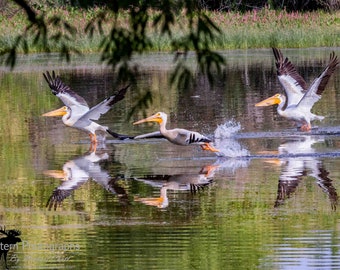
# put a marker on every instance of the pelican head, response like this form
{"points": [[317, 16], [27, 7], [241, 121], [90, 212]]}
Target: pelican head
{"points": [[159, 117], [276, 99], [59, 112]]}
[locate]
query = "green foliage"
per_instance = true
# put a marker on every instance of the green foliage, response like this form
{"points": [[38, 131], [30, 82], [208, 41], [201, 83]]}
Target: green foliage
{"points": [[41, 32], [119, 42]]}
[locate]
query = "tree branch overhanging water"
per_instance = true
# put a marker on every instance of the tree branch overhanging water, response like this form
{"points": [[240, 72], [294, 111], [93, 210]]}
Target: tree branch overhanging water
{"points": [[124, 40]]}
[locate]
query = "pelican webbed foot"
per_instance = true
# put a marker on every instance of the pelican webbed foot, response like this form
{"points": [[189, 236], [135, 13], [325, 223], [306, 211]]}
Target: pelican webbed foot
{"points": [[94, 142], [209, 169], [306, 128], [208, 147]]}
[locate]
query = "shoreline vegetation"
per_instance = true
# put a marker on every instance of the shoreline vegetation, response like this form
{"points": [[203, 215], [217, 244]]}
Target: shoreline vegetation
{"points": [[262, 28]]}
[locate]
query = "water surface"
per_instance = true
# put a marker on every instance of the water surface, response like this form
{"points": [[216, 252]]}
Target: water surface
{"points": [[270, 201]]}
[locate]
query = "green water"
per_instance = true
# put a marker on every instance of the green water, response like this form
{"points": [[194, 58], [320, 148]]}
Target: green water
{"points": [[271, 205]]}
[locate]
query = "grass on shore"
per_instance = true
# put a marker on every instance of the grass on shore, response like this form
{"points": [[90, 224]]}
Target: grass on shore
{"points": [[255, 29]]}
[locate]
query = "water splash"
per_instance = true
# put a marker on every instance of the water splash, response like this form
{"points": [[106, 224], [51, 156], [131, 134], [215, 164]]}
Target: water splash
{"points": [[225, 141], [227, 130]]}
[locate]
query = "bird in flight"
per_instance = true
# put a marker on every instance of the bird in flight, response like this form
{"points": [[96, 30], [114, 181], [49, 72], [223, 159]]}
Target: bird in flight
{"points": [[76, 113], [299, 99]]}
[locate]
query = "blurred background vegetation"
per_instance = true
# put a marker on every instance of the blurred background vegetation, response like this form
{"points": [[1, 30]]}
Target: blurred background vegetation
{"points": [[189, 29]]}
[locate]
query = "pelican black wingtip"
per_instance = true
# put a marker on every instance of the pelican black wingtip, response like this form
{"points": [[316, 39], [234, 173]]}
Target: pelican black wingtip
{"points": [[119, 136]]}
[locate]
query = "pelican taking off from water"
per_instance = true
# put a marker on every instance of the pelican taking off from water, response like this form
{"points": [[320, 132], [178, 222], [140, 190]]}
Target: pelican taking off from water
{"points": [[296, 105], [178, 136], [76, 112]]}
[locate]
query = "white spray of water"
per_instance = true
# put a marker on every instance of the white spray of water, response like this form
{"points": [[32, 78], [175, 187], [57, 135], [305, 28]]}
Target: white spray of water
{"points": [[225, 141], [227, 130]]}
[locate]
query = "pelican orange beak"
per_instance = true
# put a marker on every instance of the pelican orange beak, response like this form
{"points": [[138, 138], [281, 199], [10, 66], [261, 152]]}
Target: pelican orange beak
{"points": [[56, 174], [158, 202], [275, 161], [269, 101], [59, 112], [209, 147], [153, 118]]}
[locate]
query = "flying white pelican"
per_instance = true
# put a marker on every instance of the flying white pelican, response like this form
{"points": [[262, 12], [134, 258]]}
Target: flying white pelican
{"points": [[76, 112], [296, 105], [178, 136]]}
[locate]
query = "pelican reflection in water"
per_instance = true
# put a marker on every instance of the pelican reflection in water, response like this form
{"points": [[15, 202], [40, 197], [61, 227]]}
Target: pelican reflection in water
{"points": [[298, 100], [176, 182], [77, 171], [299, 161]]}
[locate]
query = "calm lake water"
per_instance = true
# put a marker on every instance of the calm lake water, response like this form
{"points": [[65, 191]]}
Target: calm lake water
{"points": [[269, 201]]}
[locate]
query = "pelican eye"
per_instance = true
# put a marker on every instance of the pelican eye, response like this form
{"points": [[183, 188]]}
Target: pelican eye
{"points": [[69, 111]]}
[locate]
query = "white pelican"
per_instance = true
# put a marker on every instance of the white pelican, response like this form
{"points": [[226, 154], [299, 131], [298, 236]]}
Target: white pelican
{"points": [[296, 105], [178, 136], [76, 112]]}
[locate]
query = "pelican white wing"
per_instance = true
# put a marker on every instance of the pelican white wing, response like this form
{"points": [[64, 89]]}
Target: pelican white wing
{"points": [[104, 106], [65, 94], [292, 82], [319, 84], [186, 137]]}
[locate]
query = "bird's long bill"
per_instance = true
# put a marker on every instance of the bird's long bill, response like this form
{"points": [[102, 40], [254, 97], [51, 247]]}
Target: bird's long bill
{"points": [[59, 112], [269, 101], [152, 118], [58, 174], [158, 202]]}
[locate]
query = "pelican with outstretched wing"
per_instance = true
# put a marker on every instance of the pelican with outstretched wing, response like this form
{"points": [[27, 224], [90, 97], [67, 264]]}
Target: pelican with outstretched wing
{"points": [[298, 100], [76, 112], [178, 136]]}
